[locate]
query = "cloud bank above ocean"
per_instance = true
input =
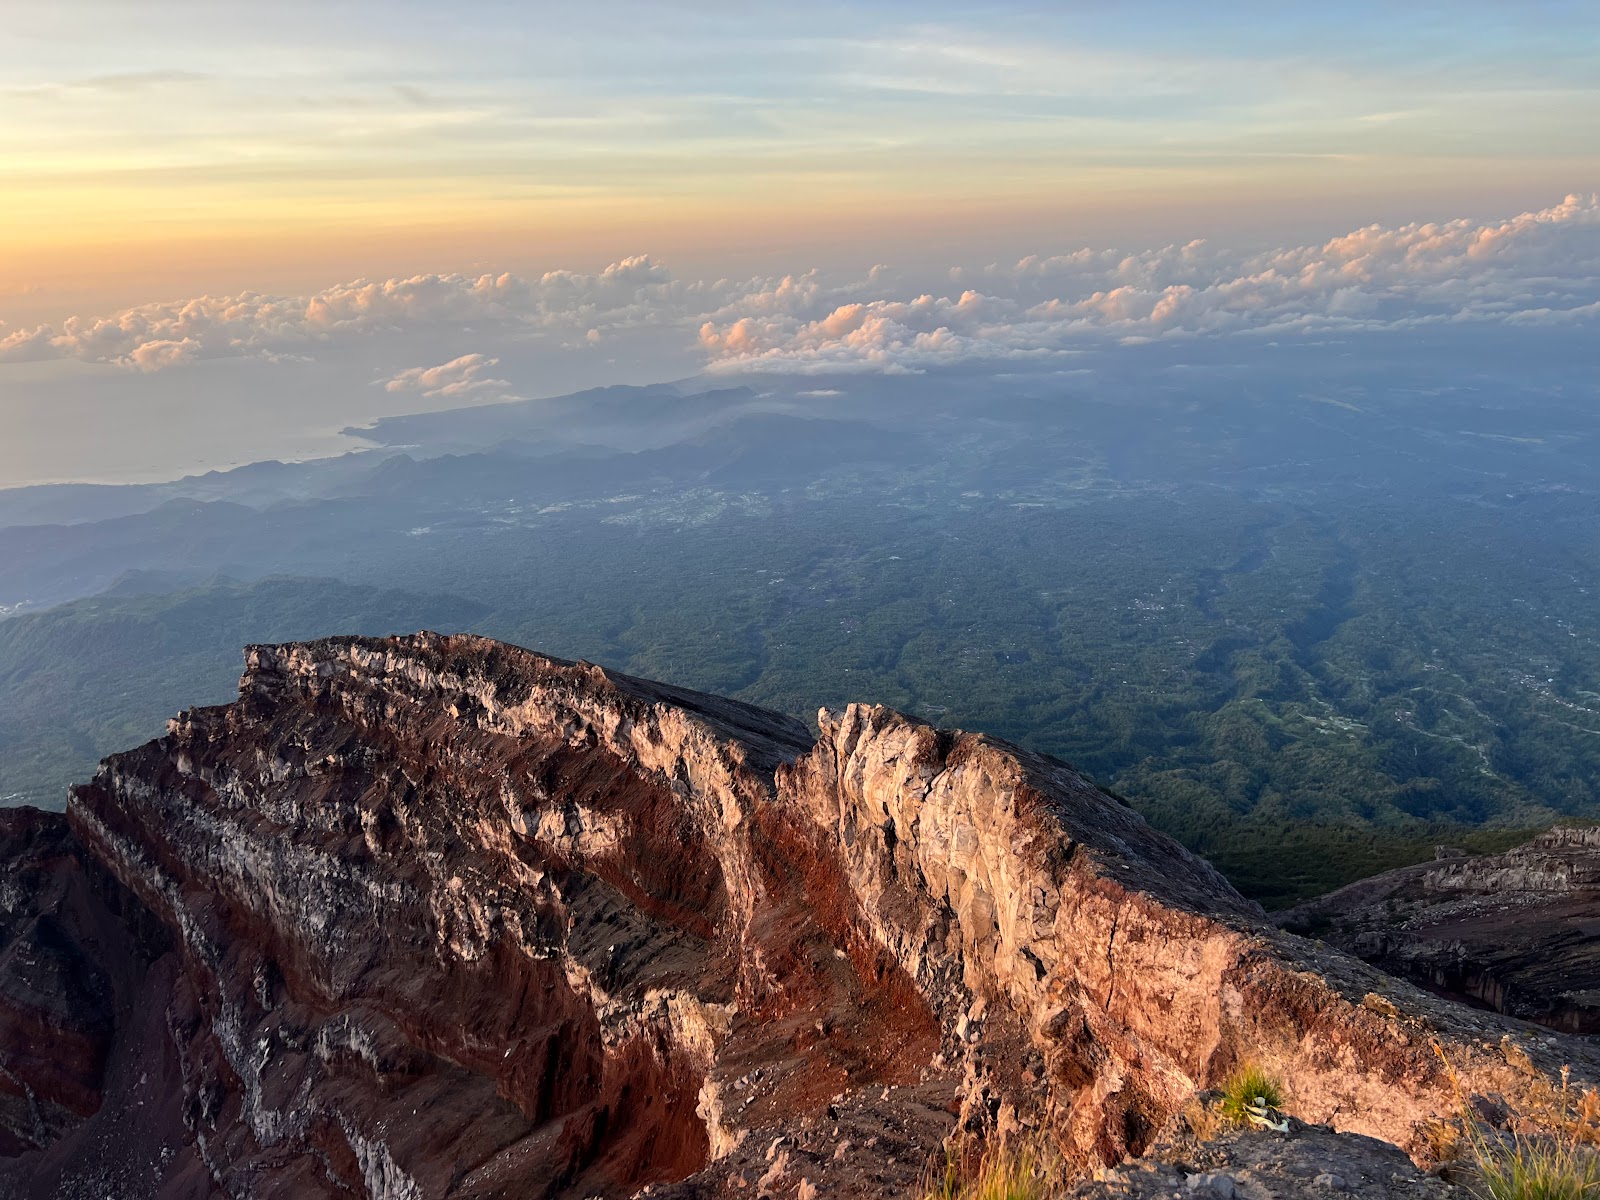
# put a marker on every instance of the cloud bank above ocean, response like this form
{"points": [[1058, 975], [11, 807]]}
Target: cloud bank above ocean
{"points": [[1536, 268]]}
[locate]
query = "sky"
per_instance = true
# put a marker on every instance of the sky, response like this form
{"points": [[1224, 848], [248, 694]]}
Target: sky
{"points": [[268, 220]]}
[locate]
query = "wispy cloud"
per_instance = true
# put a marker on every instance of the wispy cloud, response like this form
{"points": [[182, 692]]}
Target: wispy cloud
{"points": [[411, 108], [461, 378]]}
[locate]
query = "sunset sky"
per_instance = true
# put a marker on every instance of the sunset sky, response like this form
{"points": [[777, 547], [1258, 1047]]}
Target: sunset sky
{"points": [[191, 144], [179, 149]]}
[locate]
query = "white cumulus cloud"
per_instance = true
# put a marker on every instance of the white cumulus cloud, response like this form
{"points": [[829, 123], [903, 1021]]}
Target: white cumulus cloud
{"points": [[1536, 268], [630, 293]]}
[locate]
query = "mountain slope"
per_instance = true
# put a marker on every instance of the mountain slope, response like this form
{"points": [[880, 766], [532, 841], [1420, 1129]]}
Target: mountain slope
{"points": [[436, 916]]}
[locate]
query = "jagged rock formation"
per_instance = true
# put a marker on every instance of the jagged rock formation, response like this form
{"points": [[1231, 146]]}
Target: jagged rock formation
{"points": [[435, 916], [1517, 932]]}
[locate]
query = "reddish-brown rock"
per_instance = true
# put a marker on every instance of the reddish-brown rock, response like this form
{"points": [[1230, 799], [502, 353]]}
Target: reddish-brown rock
{"points": [[90, 1093], [56, 1004], [436, 916]]}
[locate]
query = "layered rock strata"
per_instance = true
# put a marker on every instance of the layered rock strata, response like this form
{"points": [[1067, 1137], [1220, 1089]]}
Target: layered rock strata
{"points": [[1517, 932], [435, 916]]}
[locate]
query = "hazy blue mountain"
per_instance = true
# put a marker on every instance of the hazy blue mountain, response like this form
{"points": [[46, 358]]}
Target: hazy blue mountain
{"points": [[258, 485], [98, 675]]}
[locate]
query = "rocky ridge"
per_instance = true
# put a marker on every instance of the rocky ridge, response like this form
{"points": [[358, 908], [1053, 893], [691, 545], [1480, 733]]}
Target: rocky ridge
{"points": [[1517, 932], [435, 916]]}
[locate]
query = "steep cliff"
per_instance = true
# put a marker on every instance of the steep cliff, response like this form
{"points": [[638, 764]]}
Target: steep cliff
{"points": [[436, 916], [1517, 932], [90, 1092]]}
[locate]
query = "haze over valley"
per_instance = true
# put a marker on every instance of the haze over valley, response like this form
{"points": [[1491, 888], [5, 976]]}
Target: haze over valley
{"points": [[1320, 593]]}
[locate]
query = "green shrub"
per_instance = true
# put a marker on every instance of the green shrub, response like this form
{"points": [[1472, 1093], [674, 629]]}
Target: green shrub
{"points": [[1248, 1083]]}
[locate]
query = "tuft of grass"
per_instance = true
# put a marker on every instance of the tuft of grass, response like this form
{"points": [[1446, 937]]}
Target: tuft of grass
{"points": [[1546, 1168], [1559, 1162], [1029, 1170], [1203, 1119], [1248, 1083]]}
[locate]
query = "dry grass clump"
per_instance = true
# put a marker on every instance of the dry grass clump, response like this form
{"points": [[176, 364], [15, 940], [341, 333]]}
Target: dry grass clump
{"points": [[1573, 1113], [1026, 1170], [1532, 1168], [1558, 1160], [1559, 1109], [1440, 1140], [1203, 1119], [1249, 1086]]}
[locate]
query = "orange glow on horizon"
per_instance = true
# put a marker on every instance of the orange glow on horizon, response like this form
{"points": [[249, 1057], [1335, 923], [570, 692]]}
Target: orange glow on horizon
{"points": [[95, 244]]}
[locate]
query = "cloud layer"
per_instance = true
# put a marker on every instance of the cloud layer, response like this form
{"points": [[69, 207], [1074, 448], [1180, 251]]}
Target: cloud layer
{"points": [[154, 336], [1536, 268]]}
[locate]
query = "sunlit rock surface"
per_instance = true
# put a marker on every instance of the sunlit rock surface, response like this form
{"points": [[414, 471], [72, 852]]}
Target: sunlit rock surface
{"points": [[435, 916]]}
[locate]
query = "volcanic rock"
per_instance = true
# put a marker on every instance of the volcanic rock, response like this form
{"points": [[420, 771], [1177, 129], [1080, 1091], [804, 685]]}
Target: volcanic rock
{"points": [[90, 1091], [1517, 932], [435, 916], [1309, 1162]]}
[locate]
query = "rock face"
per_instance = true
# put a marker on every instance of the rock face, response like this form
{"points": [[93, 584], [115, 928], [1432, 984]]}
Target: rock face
{"points": [[56, 1012], [1517, 932], [436, 916], [90, 1094]]}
